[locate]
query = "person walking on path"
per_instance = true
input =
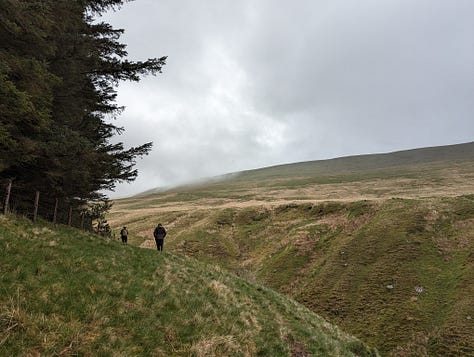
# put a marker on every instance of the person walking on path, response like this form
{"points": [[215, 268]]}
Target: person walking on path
{"points": [[124, 235], [159, 234]]}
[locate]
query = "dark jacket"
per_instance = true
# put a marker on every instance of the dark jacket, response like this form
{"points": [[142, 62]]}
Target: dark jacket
{"points": [[160, 232]]}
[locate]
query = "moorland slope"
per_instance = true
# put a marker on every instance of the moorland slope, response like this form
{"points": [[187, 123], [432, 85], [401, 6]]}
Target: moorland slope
{"points": [[383, 248]]}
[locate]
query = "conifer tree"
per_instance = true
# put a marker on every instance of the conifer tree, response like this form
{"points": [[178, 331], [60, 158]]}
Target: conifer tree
{"points": [[58, 72]]}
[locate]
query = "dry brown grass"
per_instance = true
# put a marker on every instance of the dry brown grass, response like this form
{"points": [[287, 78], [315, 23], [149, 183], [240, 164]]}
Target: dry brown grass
{"points": [[216, 346], [451, 182], [198, 223]]}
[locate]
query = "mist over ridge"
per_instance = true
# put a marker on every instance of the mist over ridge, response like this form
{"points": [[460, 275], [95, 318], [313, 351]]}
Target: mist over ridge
{"points": [[347, 164]]}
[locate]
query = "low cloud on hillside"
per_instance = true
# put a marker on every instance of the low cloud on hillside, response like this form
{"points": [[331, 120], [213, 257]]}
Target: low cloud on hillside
{"points": [[257, 83]]}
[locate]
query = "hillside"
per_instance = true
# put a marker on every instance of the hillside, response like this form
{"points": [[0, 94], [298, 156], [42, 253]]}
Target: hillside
{"points": [[398, 274], [65, 292], [363, 163], [384, 252], [439, 171]]}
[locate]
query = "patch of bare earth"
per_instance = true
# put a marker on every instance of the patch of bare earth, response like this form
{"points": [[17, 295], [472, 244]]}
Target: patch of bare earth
{"points": [[297, 349]]}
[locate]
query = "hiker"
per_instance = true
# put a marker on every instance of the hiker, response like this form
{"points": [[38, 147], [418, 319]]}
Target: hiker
{"points": [[124, 235], [159, 234]]}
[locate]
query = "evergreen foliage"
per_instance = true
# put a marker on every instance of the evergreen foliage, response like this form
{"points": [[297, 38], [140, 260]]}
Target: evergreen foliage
{"points": [[58, 71]]}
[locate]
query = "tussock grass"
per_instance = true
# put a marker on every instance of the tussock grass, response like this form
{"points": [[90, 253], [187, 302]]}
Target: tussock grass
{"points": [[339, 258], [378, 244], [64, 292]]}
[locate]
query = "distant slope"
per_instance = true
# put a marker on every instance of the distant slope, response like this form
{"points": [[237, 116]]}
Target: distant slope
{"points": [[64, 292], [449, 153], [440, 155], [436, 171]]}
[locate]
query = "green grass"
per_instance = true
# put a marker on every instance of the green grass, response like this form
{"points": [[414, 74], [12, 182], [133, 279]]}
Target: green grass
{"points": [[65, 292], [338, 259]]}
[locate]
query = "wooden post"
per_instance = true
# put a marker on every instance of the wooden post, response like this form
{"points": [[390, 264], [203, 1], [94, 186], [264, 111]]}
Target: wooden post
{"points": [[70, 216], [7, 197], [55, 214], [82, 219], [35, 214]]}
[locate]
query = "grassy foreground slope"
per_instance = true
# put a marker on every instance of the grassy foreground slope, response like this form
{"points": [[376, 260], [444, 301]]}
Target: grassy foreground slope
{"points": [[65, 292]]}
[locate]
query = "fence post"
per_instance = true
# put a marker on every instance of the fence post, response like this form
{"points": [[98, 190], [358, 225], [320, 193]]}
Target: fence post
{"points": [[35, 213], [55, 214], [70, 216], [82, 220], [7, 197]]}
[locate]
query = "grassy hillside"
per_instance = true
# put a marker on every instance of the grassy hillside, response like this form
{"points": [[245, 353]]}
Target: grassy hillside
{"points": [[381, 245], [435, 166], [398, 274], [64, 292], [365, 163], [440, 171]]}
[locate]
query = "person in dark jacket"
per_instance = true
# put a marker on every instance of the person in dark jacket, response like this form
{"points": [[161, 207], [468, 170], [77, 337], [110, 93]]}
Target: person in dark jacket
{"points": [[124, 235], [159, 234]]}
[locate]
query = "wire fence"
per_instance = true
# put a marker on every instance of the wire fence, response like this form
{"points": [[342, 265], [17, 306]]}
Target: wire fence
{"points": [[23, 200]]}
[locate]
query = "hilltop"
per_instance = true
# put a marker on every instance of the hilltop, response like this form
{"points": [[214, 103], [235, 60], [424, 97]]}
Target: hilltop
{"points": [[380, 245], [363, 163], [67, 292], [426, 172]]}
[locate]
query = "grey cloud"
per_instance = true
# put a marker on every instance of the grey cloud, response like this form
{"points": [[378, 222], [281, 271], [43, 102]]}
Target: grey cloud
{"points": [[257, 83]]}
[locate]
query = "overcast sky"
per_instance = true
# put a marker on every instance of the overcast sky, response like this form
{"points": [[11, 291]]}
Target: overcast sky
{"points": [[254, 83]]}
